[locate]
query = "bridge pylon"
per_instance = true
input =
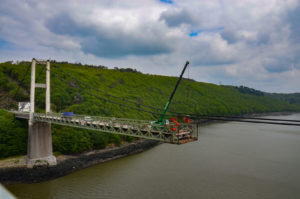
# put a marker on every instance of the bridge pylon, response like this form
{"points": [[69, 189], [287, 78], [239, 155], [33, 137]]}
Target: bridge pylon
{"points": [[39, 148]]}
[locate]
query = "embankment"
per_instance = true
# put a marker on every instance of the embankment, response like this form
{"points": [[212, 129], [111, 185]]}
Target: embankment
{"points": [[69, 164]]}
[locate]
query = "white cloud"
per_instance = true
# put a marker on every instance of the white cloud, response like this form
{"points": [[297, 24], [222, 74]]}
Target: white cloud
{"points": [[254, 43]]}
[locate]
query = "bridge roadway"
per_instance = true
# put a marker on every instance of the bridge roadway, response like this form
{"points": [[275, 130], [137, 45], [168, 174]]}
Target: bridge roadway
{"points": [[184, 133]]}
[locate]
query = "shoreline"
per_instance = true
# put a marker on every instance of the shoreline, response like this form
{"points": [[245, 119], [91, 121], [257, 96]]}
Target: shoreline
{"points": [[67, 164], [14, 170]]}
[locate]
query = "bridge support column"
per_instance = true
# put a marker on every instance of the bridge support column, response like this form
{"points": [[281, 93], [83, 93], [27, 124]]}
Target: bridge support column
{"points": [[39, 151]]}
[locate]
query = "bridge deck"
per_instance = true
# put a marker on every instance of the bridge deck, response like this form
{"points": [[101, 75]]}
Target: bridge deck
{"points": [[138, 128]]}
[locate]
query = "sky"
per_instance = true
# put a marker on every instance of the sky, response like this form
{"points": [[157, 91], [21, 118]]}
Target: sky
{"points": [[255, 43]]}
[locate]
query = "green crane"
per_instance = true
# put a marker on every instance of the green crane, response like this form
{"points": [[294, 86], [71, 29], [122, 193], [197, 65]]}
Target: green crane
{"points": [[161, 120]]}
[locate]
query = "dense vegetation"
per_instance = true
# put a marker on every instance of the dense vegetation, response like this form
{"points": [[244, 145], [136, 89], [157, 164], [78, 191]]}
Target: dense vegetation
{"points": [[71, 90], [251, 91], [293, 98], [13, 135]]}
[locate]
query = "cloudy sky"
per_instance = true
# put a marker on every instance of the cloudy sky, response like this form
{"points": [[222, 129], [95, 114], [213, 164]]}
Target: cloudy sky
{"points": [[255, 43]]}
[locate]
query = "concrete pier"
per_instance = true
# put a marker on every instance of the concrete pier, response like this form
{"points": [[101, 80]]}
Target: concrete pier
{"points": [[39, 151]]}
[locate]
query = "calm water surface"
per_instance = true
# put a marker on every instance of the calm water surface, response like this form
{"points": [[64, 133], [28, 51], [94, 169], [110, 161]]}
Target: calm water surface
{"points": [[230, 160]]}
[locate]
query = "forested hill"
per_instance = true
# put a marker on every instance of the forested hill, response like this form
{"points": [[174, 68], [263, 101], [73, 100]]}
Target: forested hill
{"points": [[96, 90], [292, 98], [71, 90]]}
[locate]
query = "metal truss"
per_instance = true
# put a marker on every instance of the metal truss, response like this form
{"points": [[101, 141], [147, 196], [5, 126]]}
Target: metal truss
{"points": [[137, 128]]}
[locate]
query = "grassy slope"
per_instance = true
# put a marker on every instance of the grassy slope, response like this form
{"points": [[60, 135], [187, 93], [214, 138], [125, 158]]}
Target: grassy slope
{"points": [[153, 90]]}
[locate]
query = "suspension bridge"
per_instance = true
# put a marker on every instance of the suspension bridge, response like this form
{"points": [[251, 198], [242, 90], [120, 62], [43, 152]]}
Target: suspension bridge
{"points": [[40, 136]]}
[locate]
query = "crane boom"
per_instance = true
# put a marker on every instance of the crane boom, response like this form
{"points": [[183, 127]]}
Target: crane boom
{"points": [[161, 120]]}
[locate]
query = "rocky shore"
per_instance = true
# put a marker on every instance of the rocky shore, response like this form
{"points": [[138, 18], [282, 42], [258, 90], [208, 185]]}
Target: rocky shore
{"points": [[68, 164]]}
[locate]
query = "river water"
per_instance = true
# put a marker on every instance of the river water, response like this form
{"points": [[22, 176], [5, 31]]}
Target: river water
{"points": [[230, 160]]}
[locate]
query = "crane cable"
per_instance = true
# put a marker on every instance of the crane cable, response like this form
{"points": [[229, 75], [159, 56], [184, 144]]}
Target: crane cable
{"points": [[188, 88]]}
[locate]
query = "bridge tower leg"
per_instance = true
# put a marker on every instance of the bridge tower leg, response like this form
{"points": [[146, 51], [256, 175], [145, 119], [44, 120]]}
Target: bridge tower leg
{"points": [[39, 149]]}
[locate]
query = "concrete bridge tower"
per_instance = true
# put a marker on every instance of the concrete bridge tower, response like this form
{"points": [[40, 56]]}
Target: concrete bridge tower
{"points": [[39, 149]]}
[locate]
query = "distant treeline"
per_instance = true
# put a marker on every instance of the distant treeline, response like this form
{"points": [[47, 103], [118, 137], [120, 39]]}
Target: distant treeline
{"points": [[251, 91], [79, 64], [293, 98], [132, 70]]}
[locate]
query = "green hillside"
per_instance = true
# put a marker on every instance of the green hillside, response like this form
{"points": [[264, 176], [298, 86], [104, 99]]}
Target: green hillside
{"points": [[71, 90], [153, 90], [292, 98]]}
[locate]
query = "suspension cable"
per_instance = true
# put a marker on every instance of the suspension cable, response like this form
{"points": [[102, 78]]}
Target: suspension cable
{"points": [[241, 117], [180, 114], [108, 94], [219, 118], [248, 121], [107, 100]]}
